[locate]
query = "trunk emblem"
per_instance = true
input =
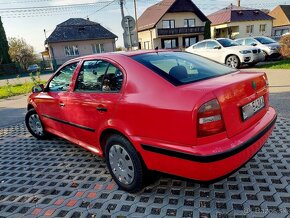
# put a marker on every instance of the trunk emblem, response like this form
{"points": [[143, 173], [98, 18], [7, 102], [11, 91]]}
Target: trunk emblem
{"points": [[254, 85]]}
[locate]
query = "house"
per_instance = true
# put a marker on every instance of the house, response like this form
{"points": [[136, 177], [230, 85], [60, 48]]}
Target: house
{"points": [[77, 37], [281, 23], [238, 22], [171, 24]]}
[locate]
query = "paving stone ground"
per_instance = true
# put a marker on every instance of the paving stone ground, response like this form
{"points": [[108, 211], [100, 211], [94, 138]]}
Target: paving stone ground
{"points": [[54, 178]]}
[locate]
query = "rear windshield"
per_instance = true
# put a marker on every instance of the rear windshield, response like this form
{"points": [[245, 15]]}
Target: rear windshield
{"points": [[182, 68]]}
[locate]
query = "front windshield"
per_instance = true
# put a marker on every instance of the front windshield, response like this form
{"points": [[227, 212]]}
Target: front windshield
{"points": [[265, 40], [227, 42], [182, 68]]}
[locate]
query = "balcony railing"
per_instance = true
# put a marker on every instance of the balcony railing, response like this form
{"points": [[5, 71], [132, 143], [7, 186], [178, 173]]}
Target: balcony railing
{"points": [[180, 30]]}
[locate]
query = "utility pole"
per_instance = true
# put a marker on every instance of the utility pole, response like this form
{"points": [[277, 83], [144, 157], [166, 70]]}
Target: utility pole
{"points": [[121, 2], [135, 7]]}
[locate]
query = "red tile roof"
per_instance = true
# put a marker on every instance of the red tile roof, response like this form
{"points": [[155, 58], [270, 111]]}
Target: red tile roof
{"points": [[234, 13], [153, 14]]}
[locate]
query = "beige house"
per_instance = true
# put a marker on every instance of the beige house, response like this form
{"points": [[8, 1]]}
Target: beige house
{"points": [[77, 37], [281, 23], [171, 24], [238, 22]]}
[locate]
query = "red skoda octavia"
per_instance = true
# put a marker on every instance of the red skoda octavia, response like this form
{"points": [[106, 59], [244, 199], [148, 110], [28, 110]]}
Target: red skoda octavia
{"points": [[172, 112]]}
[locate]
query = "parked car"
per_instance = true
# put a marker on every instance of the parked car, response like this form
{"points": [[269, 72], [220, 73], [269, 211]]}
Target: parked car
{"points": [[270, 48], [33, 68], [173, 112], [227, 51]]}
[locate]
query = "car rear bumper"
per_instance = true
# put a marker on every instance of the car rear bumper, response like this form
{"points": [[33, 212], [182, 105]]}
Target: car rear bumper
{"points": [[207, 167]]}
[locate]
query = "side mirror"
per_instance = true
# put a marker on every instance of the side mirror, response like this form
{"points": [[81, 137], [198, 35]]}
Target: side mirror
{"points": [[38, 88], [254, 44], [217, 47]]}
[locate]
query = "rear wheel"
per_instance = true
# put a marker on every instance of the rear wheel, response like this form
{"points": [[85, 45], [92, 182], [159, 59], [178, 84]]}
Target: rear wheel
{"points": [[233, 61], [34, 125], [124, 163]]}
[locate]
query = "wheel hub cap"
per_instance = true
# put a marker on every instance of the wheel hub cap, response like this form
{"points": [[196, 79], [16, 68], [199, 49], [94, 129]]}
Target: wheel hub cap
{"points": [[35, 124], [121, 164]]}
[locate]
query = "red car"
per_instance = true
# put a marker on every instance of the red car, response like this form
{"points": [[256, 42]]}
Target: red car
{"points": [[173, 112]]}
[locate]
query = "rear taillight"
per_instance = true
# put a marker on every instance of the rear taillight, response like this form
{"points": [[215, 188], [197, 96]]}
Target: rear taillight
{"points": [[210, 119]]}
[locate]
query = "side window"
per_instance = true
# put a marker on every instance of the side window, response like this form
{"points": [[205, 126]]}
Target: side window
{"points": [[97, 76], [200, 45], [250, 42], [211, 44], [62, 79], [240, 41]]}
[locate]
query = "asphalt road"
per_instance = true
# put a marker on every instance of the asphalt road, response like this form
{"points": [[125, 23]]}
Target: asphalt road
{"points": [[13, 110]]}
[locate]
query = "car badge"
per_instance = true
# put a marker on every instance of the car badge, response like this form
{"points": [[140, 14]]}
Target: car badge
{"points": [[254, 85]]}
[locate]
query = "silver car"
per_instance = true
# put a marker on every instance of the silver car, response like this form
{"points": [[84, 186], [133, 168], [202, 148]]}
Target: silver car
{"points": [[269, 47]]}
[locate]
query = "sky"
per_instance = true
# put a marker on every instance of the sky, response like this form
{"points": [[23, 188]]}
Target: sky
{"points": [[30, 24]]}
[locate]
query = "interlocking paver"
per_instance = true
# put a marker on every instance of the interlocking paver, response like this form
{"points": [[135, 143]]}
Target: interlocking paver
{"points": [[54, 178]]}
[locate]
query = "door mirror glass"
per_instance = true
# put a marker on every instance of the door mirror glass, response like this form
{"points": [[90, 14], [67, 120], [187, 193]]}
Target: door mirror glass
{"points": [[38, 88]]}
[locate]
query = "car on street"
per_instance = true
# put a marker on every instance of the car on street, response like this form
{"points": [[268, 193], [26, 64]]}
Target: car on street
{"points": [[159, 110], [33, 68], [269, 47], [227, 51]]}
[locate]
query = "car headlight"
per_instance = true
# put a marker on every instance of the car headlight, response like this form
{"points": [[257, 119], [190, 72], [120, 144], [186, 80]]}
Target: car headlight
{"points": [[245, 52]]}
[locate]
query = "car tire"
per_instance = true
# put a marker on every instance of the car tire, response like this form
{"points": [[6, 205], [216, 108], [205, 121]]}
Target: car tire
{"points": [[233, 61], [34, 125], [266, 57], [124, 163]]}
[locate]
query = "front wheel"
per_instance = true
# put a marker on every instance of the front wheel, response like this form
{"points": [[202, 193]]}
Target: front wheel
{"points": [[34, 125], [124, 163], [233, 61]]}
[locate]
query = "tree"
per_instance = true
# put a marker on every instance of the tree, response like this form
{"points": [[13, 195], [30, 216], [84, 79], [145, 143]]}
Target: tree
{"points": [[207, 30], [4, 55], [21, 52]]}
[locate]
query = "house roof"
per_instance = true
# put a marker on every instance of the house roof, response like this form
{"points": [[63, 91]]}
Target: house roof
{"points": [[154, 13], [281, 14], [79, 29], [234, 13]]}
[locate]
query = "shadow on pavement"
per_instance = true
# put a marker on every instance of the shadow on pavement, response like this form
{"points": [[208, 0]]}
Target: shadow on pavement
{"points": [[10, 116], [281, 102]]}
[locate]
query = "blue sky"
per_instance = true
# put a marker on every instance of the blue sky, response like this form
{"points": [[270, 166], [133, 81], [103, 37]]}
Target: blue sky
{"points": [[31, 26]]}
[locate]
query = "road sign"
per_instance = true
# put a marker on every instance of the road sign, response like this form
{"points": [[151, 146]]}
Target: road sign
{"points": [[128, 23], [130, 40]]}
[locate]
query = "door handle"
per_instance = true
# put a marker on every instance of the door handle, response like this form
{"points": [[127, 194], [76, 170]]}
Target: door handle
{"points": [[61, 104], [102, 109]]}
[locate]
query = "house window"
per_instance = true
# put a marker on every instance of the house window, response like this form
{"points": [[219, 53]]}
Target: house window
{"points": [[189, 22], [169, 43], [146, 45], [71, 50], [250, 28], [188, 41], [262, 27], [98, 48], [168, 24]]}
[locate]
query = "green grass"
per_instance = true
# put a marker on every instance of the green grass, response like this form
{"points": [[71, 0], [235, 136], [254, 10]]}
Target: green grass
{"points": [[10, 90], [282, 64]]}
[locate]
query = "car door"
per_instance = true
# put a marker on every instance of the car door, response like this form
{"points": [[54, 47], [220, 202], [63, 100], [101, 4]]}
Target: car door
{"points": [[213, 50], [51, 102], [96, 92], [198, 49]]}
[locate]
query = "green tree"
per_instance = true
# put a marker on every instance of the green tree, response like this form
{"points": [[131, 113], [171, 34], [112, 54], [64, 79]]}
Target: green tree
{"points": [[207, 30], [21, 52], [4, 55]]}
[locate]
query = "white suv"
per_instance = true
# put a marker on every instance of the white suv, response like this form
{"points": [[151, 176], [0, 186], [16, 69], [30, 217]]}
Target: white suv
{"points": [[270, 48], [227, 51]]}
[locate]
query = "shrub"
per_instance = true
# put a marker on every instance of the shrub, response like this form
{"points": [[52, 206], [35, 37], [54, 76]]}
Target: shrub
{"points": [[285, 46]]}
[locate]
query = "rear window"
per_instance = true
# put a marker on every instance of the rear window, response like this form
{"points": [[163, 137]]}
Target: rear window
{"points": [[182, 68]]}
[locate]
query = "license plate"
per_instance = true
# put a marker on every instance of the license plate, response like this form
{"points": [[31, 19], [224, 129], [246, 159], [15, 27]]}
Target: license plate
{"points": [[253, 107]]}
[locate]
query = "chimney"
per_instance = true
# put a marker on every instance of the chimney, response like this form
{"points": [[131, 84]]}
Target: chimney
{"points": [[239, 3]]}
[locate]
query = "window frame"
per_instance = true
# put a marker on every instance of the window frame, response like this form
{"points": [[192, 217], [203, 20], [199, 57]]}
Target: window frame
{"points": [[189, 37], [251, 29], [99, 91], [74, 48], [146, 45], [58, 72], [264, 27], [98, 47], [170, 26], [186, 22], [171, 39]]}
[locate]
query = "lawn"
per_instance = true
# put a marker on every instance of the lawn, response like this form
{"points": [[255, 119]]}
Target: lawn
{"points": [[17, 89], [281, 64]]}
